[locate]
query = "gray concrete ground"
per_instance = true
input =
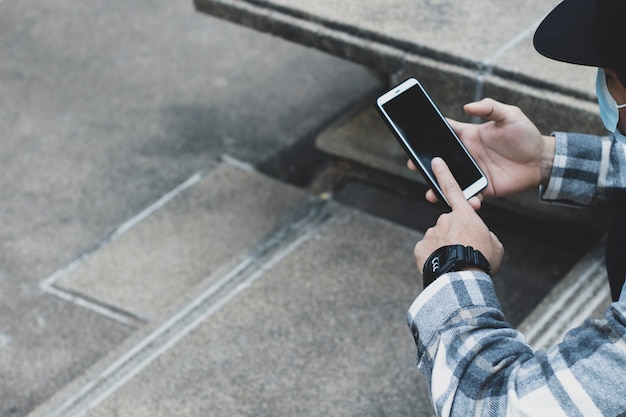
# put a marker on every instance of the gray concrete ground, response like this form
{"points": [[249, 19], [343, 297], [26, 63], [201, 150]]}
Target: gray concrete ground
{"points": [[105, 107], [142, 272]]}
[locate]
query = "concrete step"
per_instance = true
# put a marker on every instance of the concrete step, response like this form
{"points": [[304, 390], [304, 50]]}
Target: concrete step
{"points": [[457, 56], [250, 297], [583, 293]]}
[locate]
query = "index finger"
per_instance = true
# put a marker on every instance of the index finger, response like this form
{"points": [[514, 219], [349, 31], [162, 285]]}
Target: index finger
{"points": [[450, 188]]}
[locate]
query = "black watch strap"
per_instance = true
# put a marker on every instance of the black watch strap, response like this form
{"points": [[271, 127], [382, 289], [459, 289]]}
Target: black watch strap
{"points": [[453, 258]]}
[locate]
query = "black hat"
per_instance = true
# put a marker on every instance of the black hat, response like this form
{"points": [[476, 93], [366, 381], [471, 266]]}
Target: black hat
{"points": [[585, 32]]}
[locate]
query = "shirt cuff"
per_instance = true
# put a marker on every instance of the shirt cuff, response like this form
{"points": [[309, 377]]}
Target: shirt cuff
{"points": [[575, 170]]}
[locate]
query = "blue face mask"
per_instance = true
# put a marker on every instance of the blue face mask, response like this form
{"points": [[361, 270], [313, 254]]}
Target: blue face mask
{"points": [[609, 109]]}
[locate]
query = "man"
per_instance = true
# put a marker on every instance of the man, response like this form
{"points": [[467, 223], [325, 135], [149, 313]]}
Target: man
{"points": [[475, 362]]}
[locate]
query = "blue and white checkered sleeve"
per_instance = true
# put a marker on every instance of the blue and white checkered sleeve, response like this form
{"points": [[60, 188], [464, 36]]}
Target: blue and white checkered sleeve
{"points": [[587, 169], [477, 364], [456, 322]]}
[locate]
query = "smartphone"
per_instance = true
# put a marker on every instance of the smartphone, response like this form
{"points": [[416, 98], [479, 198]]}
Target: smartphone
{"points": [[424, 134]]}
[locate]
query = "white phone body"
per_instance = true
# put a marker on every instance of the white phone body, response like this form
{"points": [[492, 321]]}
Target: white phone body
{"points": [[424, 134]]}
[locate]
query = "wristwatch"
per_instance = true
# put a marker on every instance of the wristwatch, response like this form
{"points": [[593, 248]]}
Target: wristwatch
{"points": [[453, 258]]}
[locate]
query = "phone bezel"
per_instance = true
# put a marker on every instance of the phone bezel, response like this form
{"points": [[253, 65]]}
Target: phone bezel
{"points": [[393, 93]]}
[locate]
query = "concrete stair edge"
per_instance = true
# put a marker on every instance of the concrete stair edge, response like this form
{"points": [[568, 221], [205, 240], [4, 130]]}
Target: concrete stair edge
{"points": [[582, 292]]}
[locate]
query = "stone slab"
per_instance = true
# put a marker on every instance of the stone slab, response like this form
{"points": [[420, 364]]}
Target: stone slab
{"points": [[431, 28], [208, 228], [320, 332], [45, 343], [461, 51], [481, 36]]}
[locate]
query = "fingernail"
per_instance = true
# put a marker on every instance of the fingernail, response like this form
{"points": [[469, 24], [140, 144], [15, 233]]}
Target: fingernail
{"points": [[436, 160]]}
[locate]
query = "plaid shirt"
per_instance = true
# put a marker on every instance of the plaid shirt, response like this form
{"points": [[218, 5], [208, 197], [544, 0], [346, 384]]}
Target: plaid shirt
{"points": [[477, 364]]}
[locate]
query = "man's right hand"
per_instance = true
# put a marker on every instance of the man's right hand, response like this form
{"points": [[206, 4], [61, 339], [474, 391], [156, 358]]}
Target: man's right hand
{"points": [[462, 225], [509, 148]]}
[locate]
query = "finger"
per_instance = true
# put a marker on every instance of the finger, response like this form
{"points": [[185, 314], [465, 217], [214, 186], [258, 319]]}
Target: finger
{"points": [[487, 108], [411, 165], [450, 188], [431, 197], [475, 202]]}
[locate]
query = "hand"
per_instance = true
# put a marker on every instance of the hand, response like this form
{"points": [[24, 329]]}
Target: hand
{"points": [[509, 148], [460, 226]]}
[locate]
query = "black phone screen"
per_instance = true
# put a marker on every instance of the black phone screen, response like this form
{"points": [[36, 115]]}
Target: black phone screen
{"points": [[429, 136]]}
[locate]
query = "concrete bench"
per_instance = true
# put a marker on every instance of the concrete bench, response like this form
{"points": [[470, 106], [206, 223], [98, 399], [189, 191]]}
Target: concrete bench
{"points": [[460, 50]]}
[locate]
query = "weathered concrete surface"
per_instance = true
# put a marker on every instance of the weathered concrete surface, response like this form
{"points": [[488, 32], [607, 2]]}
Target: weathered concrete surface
{"points": [[461, 51], [105, 107], [210, 227], [45, 343], [455, 32]]}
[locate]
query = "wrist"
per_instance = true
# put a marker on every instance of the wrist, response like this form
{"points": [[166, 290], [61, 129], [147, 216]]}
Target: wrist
{"points": [[547, 159]]}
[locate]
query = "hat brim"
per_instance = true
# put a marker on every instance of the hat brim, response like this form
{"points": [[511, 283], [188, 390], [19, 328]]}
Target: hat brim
{"points": [[567, 34]]}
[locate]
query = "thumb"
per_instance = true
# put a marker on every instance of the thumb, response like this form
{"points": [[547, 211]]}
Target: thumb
{"points": [[487, 108]]}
